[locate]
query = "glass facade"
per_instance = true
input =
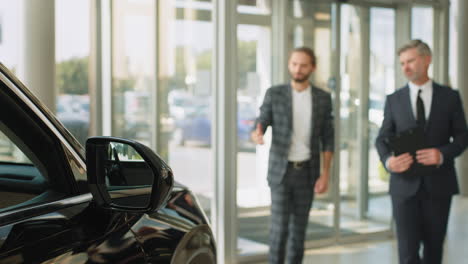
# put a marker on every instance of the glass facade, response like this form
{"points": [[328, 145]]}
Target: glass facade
{"points": [[72, 49], [185, 93], [133, 69], [353, 27], [364, 202], [253, 194], [382, 83], [422, 24], [422, 27], [10, 34], [162, 94]]}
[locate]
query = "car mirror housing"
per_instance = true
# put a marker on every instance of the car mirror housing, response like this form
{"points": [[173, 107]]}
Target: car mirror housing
{"points": [[126, 175]]}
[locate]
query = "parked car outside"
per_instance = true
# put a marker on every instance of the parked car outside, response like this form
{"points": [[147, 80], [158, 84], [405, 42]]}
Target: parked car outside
{"points": [[182, 102], [73, 112], [196, 126], [115, 202]]}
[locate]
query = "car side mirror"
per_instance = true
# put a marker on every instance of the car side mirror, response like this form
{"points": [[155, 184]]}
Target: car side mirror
{"points": [[126, 175]]}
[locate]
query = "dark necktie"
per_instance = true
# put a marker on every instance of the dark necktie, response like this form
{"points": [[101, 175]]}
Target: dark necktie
{"points": [[421, 119]]}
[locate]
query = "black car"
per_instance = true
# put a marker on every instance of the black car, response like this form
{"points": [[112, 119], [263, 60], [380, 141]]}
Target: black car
{"points": [[115, 203]]}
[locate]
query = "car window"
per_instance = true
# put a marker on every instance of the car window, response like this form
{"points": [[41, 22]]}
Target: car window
{"points": [[9, 152], [20, 179], [33, 165]]}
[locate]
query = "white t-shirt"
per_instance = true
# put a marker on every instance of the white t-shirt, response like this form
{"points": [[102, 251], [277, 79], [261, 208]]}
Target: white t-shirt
{"points": [[302, 125]]}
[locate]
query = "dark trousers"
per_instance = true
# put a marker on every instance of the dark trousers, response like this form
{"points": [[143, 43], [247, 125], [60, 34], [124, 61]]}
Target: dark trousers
{"points": [[290, 205], [421, 220]]}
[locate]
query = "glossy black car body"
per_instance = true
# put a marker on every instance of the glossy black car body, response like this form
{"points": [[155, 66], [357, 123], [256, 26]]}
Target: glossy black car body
{"points": [[51, 213]]}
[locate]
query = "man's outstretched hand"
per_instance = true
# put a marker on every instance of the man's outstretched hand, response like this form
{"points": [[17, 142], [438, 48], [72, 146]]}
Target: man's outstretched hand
{"points": [[257, 135]]}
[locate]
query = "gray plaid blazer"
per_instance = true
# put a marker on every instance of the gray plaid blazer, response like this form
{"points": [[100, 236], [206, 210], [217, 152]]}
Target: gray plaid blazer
{"points": [[276, 111]]}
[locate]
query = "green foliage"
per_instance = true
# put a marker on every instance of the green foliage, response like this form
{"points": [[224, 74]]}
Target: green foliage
{"points": [[122, 85], [383, 173], [72, 76], [247, 54], [247, 62], [180, 71], [204, 60]]}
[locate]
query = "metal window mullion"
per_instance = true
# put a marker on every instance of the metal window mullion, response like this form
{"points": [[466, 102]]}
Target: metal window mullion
{"points": [[461, 81], [155, 95], [363, 117], [37, 56], [106, 67], [441, 43], [95, 69], [280, 41], [225, 129], [336, 54]]}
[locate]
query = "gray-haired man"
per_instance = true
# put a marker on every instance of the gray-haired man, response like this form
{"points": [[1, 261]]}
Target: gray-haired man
{"points": [[421, 202]]}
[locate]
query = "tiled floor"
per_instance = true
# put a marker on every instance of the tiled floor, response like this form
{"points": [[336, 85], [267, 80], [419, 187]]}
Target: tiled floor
{"points": [[385, 252]]}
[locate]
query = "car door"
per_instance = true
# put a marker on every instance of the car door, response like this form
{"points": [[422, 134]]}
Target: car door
{"points": [[45, 216]]}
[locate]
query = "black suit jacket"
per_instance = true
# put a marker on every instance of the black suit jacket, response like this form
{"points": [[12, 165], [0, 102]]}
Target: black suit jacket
{"points": [[445, 129]]}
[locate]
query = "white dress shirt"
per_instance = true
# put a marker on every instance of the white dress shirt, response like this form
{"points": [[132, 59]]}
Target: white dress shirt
{"points": [[426, 96]]}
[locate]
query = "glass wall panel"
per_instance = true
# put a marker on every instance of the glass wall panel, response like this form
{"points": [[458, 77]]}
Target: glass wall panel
{"points": [[253, 194], [422, 24], [11, 26], [382, 82], [10, 48], [365, 204], [351, 80], [422, 27], [312, 27], [72, 49], [133, 69], [185, 34]]}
